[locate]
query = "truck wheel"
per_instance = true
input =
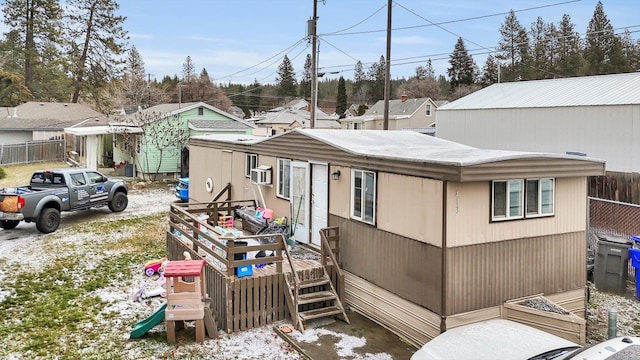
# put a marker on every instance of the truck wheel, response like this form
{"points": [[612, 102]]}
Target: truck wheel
{"points": [[48, 221], [9, 224], [119, 202]]}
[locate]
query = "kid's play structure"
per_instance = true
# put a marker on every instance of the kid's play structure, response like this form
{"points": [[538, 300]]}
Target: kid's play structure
{"points": [[186, 301]]}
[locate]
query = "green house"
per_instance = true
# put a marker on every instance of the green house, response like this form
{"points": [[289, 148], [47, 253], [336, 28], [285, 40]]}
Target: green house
{"points": [[155, 141]]}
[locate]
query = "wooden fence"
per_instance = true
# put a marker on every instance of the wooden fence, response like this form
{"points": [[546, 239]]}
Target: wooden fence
{"points": [[32, 152], [240, 303]]}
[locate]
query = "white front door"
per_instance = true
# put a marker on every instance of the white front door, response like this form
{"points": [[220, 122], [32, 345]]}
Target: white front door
{"points": [[319, 201], [300, 201]]}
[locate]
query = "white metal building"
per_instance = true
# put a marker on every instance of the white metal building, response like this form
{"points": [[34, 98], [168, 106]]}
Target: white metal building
{"points": [[598, 116]]}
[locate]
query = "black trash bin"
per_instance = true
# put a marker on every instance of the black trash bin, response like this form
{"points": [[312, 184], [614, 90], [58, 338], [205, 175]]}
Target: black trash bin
{"points": [[128, 170], [612, 263]]}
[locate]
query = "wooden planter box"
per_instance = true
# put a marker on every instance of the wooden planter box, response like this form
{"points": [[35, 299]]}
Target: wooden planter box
{"points": [[566, 325]]}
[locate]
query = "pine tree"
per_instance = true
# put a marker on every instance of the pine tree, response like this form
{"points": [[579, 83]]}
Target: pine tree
{"points": [[360, 87], [462, 69], [429, 70], [490, 71], [286, 79], [135, 86], [376, 77], [12, 89], [341, 100], [541, 63], [603, 52], [33, 30], [97, 41], [569, 51], [188, 69], [307, 76], [514, 49]]}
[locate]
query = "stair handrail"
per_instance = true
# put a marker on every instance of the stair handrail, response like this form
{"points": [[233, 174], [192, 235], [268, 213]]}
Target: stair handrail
{"points": [[296, 281], [325, 250]]}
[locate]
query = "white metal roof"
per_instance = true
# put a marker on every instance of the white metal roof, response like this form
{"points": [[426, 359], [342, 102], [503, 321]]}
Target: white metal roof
{"points": [[413, 146], [616, 89]]}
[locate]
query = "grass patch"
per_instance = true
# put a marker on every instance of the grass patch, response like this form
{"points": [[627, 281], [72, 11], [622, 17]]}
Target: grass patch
{"points": [[54, 312]]}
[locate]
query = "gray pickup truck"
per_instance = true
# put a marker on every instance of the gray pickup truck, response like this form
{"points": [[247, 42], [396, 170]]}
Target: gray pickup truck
{"points": [[53, 191]]}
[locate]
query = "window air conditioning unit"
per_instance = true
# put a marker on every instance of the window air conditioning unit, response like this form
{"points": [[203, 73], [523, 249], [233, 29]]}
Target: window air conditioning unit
{"points": [[261, 175]]}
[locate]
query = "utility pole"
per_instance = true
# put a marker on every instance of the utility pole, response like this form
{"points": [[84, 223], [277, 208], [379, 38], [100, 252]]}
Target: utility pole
{"points": [[387, 79], [312, 28]]}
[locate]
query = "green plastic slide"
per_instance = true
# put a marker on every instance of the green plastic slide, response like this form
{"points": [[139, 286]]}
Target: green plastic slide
{"points": [[147, 324]]}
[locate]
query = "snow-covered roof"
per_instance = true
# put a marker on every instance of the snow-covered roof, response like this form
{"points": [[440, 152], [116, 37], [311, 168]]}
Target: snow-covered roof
{"points": [[617, 89], [413, 146]]}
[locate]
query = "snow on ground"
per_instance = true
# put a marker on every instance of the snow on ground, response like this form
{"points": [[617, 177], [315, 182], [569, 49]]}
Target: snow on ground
{"points": [[34, 250]]}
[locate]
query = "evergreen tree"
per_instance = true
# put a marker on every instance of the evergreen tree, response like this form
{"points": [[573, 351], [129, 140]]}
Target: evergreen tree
{"points": [[376, 77], [429, 70], [97, 41], [136, 88], [424, 72], [541, 39], [514, 49], [490, 71], [603, 51], [360, 87], [341, 100], [253, 96], [569, 50], [33, 29], [188, 69], [13, 92], [286, 79], [462, 69], [631, 50], [307, 76]]}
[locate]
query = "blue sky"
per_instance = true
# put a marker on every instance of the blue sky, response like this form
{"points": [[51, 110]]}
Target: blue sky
{"points": [[241, 40]]}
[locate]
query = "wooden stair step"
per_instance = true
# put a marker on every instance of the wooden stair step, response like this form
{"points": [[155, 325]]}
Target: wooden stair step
{"points": [[316, 297], [318, 313], [314, 282]]}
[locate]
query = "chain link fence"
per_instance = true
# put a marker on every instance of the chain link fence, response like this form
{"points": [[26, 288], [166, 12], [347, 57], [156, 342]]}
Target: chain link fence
{"points": [[608, 217]]}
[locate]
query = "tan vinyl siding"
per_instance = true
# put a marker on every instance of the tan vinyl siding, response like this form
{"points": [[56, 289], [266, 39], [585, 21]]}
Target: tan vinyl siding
{"points": [[411, 322], [486, 275], [340, 192], [469, 204], [410, 206], [411, 269], [209, 161]]}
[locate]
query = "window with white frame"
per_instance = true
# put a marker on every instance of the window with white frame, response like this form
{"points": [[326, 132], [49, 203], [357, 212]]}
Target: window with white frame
{"points": [[284, 178], [427, 109], [520, 198], [251, 162], [540, 194], [363, 196]]}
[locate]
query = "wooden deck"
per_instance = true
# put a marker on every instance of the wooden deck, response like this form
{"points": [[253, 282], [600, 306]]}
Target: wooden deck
{"points": [[243, 302]]}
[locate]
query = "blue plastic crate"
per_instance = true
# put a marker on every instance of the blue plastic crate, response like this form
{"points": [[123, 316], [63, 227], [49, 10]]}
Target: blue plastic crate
{"points": [[242, 271]]}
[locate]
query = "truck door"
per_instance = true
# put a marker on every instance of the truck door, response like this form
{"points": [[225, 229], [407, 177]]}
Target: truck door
{"points": [[97, 191], [79, 190]]}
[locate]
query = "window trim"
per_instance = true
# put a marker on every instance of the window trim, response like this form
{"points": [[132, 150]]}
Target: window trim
{"points": [[524, 200], [363, 201], [427, 110], [279, 167], [539, 213], [250, 163]]}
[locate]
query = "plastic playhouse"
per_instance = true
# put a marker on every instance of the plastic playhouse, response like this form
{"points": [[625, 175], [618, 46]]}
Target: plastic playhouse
{"points": [[187, 300]]}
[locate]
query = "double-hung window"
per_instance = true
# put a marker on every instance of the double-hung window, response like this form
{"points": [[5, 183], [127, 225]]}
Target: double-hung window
{"points": [[427, 110], [284, 178], [520, 198], [363, 195], [251, 162], [540, 197]]}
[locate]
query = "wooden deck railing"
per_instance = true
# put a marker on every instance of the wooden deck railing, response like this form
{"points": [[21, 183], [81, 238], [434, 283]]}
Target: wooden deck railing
{"points": [[189, 225], [330, 252]]}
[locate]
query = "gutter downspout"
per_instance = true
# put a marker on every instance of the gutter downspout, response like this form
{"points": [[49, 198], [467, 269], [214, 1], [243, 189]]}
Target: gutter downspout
{"points": [[443, 298]]}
